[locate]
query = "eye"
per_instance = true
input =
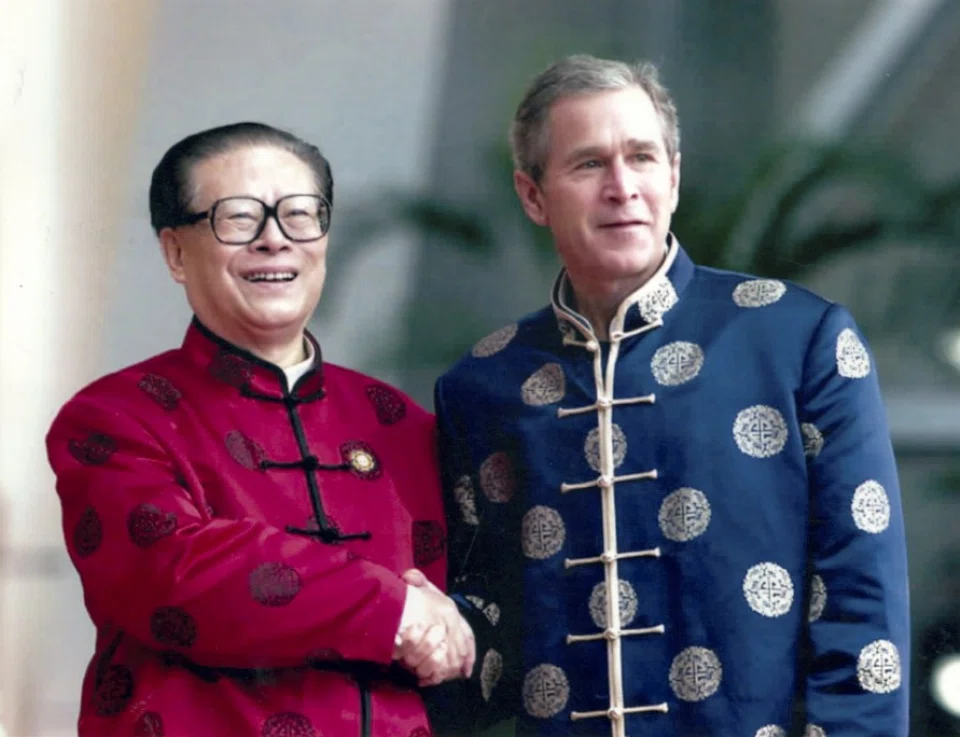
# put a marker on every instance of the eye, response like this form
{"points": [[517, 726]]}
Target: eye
{"points": [[589, 164], [238, 211]]}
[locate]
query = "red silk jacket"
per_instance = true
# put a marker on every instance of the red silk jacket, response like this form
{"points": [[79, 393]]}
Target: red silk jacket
{"points": [[240, 544]]}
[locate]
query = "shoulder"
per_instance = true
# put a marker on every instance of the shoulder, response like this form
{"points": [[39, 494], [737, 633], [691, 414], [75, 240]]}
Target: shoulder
{"points": [[145, 380], [385, 397], [507, 345], [776, 310], [779, 318], [121, 404], [749, 292]]}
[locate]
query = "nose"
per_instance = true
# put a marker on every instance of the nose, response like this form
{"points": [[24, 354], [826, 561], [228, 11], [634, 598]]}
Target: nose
{"points": [[621, 183], [271, 238]]}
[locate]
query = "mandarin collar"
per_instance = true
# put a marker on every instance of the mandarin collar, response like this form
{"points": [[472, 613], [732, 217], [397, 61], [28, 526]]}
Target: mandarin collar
{"points": [[250, 375], [645, 307]]}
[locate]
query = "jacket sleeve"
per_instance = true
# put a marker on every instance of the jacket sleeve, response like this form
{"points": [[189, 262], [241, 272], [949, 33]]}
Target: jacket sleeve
{"points": [[483, 582], [859, 636], [223, 593]]}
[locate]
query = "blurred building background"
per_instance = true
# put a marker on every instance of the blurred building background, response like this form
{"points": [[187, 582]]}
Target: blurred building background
{"points": [[819, 144]]}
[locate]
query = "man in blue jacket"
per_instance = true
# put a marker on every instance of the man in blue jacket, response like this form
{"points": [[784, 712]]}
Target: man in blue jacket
{"points": [[674, 508]]}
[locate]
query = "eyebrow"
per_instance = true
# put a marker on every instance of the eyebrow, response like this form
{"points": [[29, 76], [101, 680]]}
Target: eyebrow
{"points": [[634, 144]]}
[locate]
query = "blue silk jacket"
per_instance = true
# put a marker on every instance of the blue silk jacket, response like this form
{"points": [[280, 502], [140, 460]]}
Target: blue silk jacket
{"points": [[693, 528]]}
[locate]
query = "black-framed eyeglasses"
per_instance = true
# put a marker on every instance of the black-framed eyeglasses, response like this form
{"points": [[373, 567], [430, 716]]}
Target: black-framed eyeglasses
{"points": [[237, 221]]}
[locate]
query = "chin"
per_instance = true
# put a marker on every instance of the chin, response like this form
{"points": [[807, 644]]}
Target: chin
{"points": [[280, 321], [626, 268]]}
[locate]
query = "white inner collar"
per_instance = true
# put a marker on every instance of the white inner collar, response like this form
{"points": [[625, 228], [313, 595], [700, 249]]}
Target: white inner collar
{"points": [[299, 369]]}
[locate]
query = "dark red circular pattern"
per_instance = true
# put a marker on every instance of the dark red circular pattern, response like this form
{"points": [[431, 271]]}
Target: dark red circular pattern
{"points": [[87, 533], [147, 524], [161, 390], [150, 724], [248, 453], [231, 369], [93, 450], [429, 542], [113, 694], [173, 626], [288, 724], [387, 403], [274, 584]]}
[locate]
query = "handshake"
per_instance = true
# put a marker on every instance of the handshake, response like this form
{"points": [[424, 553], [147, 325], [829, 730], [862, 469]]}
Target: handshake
{"points": [[434, 641]]}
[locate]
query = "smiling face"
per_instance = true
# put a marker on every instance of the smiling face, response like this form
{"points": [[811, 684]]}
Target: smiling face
{"points": [[258, 296], [608, 189]]}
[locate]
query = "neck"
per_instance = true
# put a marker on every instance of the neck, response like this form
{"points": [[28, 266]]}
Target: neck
{"points": [[285, 355], [599, 305], [599, 300]]}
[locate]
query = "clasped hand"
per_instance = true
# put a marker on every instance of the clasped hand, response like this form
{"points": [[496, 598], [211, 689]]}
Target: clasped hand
{"points": [[434, 642]]}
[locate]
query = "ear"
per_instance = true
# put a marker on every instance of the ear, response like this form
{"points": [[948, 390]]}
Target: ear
{"points": [[675, 182], [173, 254], [531, 197]]}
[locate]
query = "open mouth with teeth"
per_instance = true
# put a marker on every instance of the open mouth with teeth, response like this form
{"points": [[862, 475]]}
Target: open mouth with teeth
{"points": [[270, 276]]}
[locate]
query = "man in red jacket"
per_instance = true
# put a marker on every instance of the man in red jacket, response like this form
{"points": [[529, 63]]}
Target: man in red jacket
{"points": [[240, 513]]}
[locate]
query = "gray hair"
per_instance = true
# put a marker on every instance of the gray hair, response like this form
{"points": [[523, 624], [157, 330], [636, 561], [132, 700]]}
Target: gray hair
{"points": [[576, 75]]}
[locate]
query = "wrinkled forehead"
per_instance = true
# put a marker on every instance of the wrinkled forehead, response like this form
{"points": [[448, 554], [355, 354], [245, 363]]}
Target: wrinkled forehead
{"points": [[622, 118], [628, 110], [266, 172]]}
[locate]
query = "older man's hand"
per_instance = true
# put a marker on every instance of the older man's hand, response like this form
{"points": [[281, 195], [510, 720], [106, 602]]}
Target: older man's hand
{"points": [[434, 641]]}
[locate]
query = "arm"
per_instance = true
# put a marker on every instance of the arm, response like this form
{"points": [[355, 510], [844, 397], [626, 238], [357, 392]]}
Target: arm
{"points": [[237, 593], [857, 680], [482, 590]]}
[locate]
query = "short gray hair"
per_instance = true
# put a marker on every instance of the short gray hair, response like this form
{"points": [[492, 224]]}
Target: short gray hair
{"points": [[576, 75]]}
